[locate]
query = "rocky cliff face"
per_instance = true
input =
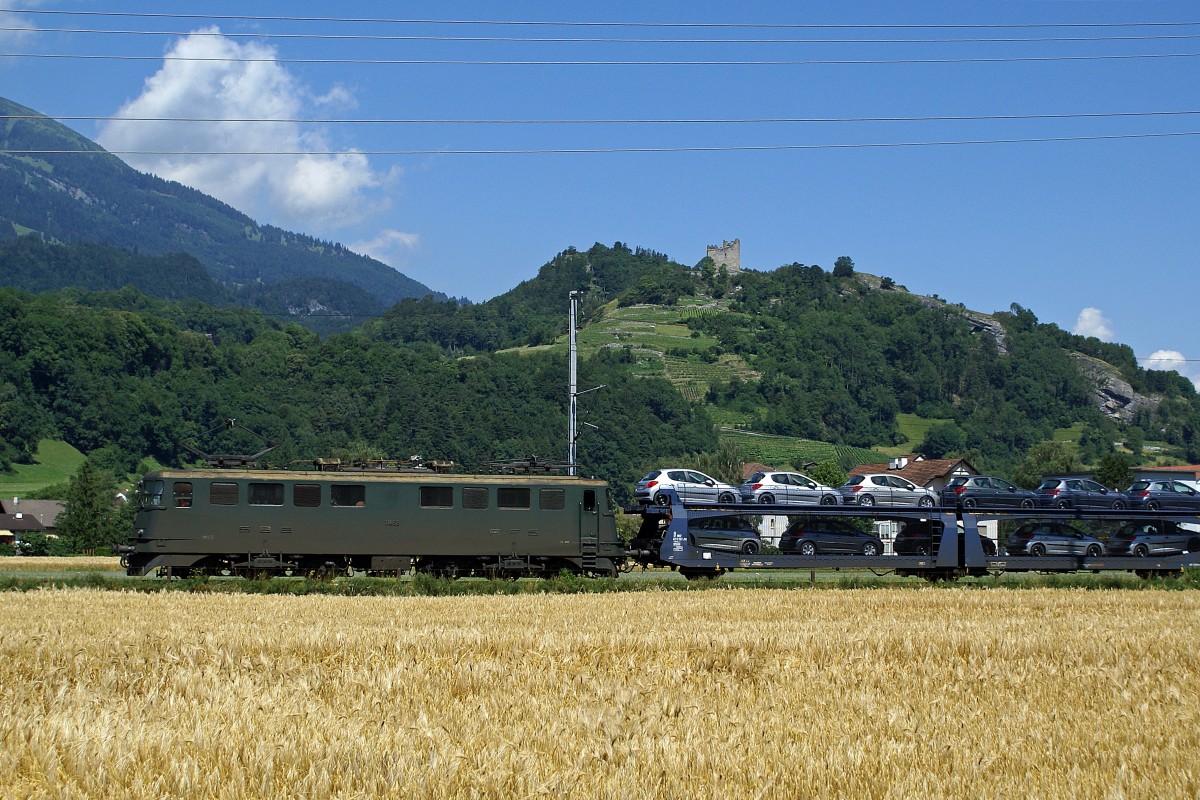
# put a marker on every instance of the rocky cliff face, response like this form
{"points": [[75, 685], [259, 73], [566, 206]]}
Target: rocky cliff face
{"points": [[1112, 393], [985, 323]]}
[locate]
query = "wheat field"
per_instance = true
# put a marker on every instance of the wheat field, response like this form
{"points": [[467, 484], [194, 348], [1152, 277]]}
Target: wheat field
{"points": [[63, 564], [709, 694]]}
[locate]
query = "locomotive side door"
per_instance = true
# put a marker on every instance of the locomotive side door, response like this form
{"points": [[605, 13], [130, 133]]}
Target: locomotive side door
{"points": [[589, 528]]}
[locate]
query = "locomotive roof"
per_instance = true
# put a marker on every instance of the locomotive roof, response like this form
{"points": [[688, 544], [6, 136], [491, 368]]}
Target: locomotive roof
{"points": [[344, 476]]}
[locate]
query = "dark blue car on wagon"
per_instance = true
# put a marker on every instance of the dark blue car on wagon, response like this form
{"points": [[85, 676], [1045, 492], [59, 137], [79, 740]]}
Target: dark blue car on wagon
{"points": [[1078, 493]]}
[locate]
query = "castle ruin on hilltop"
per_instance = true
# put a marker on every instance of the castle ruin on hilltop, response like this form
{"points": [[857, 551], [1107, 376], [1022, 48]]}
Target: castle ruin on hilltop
{"points": [[728, 255]]}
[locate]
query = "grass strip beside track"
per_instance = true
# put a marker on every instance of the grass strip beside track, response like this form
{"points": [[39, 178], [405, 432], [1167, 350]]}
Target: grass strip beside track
{"points": [[427, 586]]}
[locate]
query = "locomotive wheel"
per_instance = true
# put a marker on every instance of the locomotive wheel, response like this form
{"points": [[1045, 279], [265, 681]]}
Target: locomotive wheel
{"points": [[767, 499]]}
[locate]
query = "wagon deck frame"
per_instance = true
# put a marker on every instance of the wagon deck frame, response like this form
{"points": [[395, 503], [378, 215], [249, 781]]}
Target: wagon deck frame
{"points": [[956, 555]]}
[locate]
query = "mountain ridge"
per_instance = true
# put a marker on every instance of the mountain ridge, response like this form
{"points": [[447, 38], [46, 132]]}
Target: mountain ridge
{"points": [[83, 194]]}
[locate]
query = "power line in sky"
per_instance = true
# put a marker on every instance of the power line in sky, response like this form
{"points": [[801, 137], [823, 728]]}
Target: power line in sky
{"points": [[799, 62], [606, 150], [604, 40], [695, 121], [604, 24]]}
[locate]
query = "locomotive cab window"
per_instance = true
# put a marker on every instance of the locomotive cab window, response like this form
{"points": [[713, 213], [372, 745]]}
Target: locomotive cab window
{"points": [[150, 494], [182, 494], [589, 500], [266, 494], [437, 497], [511, 497], [348, 495]]}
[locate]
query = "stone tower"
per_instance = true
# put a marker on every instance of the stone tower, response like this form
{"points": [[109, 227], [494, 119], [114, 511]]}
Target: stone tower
{"points": [[728, 255]]}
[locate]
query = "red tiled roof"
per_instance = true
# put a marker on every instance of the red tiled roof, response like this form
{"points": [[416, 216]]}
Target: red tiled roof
{"points": [[1176, 468], [752, 467], [919, 470]]}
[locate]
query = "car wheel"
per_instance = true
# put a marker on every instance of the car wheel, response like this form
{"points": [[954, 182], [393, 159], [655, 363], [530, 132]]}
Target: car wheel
{"points": [[1094, 551], [1152, 505], [829, 500], [1027, 503], [866, 500], [808, 549], [749, 547], [661, 499], [767, 499], [725, 497], [1063, 504], [1118, 505], [925, 502], [1141, 551], [870, 549], [989, 547], [969, 503], [1037, 550]]}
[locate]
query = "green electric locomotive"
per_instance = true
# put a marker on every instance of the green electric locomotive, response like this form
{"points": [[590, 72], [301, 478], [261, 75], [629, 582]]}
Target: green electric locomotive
{"points": [[378, 521]]}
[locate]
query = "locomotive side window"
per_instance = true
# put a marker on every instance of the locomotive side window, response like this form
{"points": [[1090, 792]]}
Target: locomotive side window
{"points": [[348, 495], [512, 498], [475, 497], [182, 492], [266, 494], [306, 495], [589, 500], [553, 499], [223, 494], [437, 496]]}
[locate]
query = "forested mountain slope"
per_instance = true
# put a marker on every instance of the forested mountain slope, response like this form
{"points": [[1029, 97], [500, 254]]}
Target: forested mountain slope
{"points": [[132, 376], [97, 198], [803, 352]]}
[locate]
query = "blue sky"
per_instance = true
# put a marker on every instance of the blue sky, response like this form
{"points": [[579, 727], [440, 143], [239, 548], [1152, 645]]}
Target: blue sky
{"points": [[1098, 235]]}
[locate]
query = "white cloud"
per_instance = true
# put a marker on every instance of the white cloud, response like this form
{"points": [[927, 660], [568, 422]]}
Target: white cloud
{"points": [[16, 27], [1173, 360], [305, 191], [1092, 322], [390, 246]]}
